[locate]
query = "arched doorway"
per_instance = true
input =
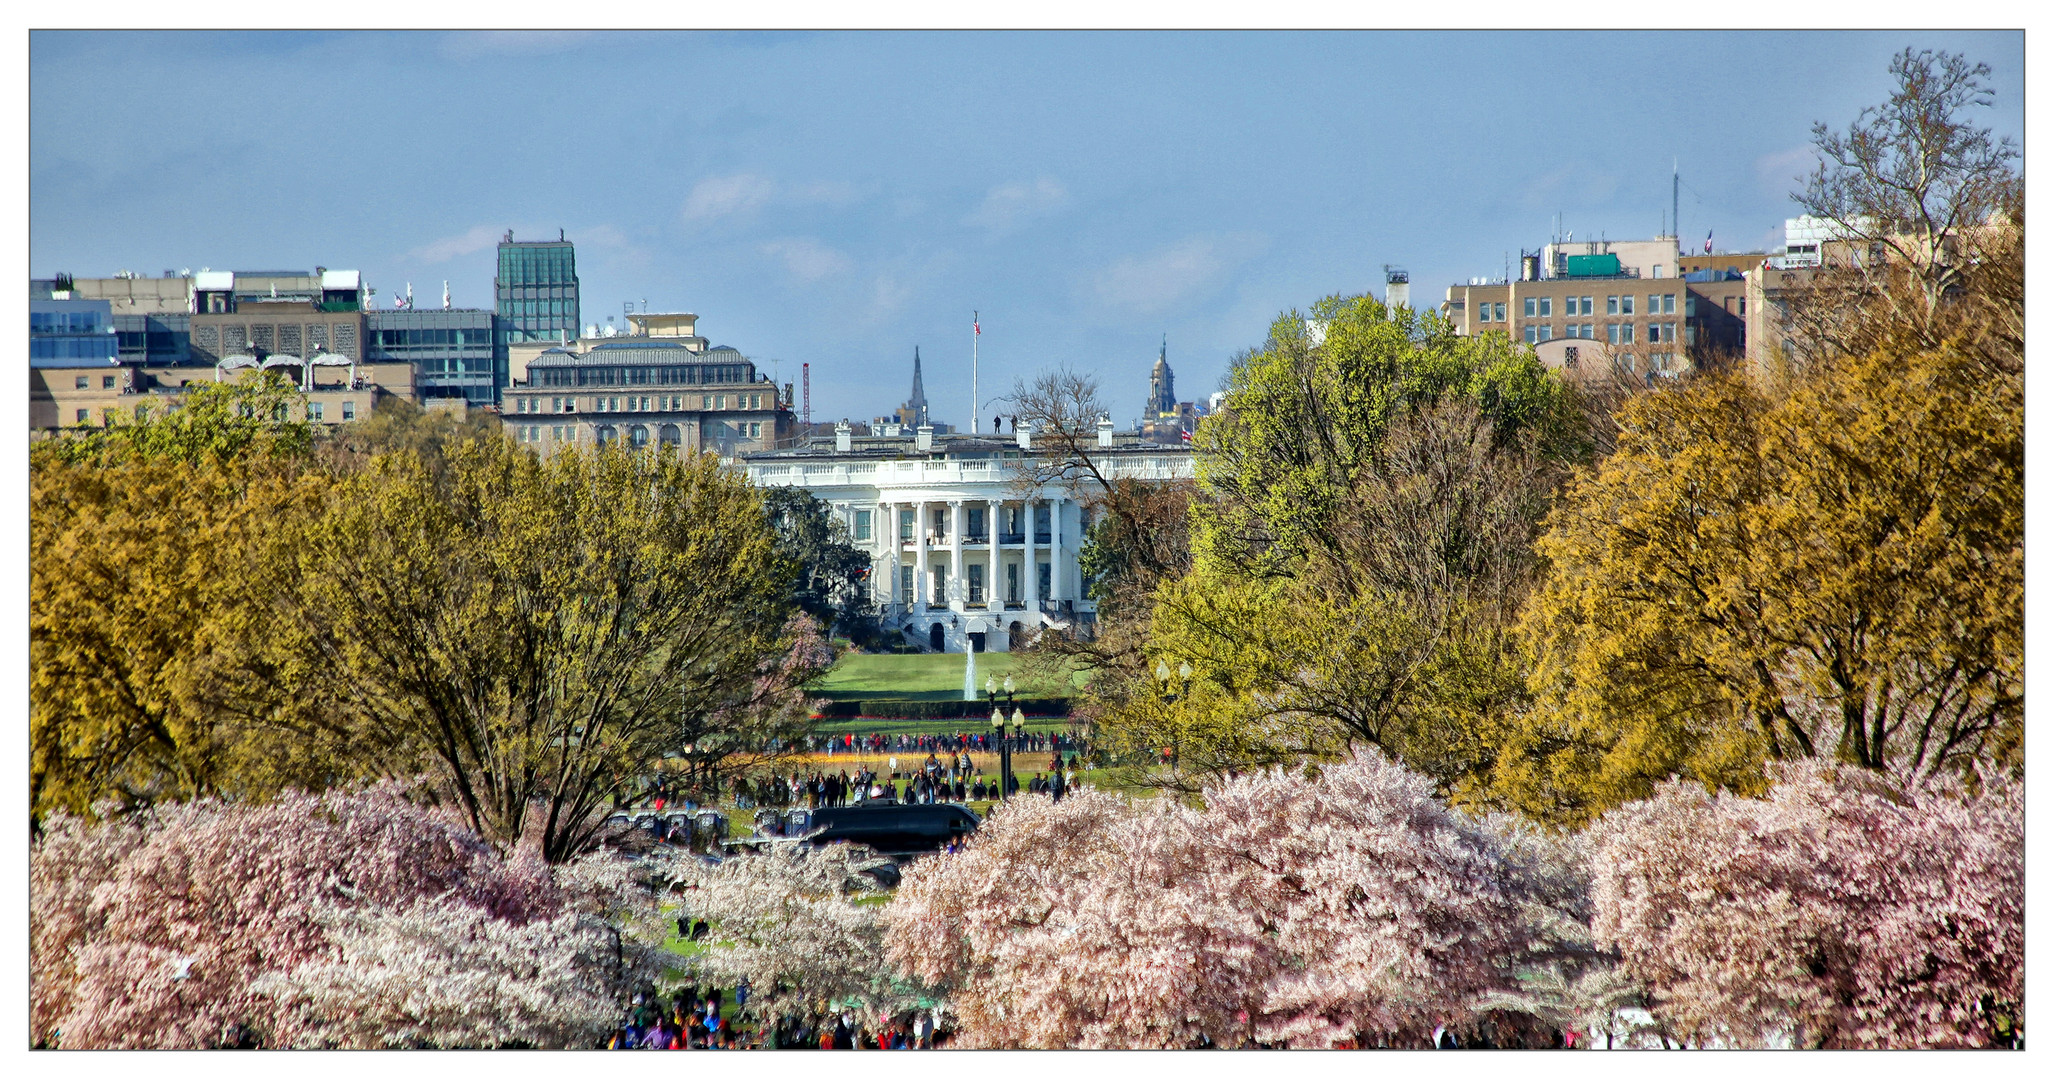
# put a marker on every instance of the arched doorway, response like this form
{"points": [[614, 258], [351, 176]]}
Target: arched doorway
{"points": [[935, 639], [606, 434], [1016, 636], [668, 435]]}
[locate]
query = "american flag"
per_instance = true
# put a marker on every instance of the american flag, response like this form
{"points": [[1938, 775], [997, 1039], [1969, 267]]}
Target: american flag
{"points": [[1186, 433], [1708, 243], [975, 329]]}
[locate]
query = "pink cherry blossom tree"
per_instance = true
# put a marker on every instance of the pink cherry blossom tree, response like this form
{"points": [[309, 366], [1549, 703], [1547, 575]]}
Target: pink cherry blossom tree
{"points": [[1346, 907], [799, 925], [1846, 909], [343, 919]]}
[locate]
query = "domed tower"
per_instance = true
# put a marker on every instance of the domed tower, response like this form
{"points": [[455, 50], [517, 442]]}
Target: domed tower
{"points": [[1162, 384]]}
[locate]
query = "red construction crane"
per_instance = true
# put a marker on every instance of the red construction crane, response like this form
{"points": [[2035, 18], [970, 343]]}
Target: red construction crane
{"points": [[806, 394]]}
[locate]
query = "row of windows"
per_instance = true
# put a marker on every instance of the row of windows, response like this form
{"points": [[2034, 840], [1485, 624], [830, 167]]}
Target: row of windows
{"points": [[537, 266], [664, 375], [539, 309], [478, 337], [643, 403], [1615, 333], [537, 292], [66, 322], [973, 574], [1490, 313], [317, 411], [97, 347], [1543, 307], [85, 382]]}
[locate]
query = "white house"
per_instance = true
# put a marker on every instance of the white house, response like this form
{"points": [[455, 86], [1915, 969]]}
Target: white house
{"points": [[969, 551]]}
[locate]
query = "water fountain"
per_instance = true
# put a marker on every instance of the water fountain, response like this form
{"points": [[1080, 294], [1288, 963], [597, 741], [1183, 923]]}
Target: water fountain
{"points": [[969, 674]]}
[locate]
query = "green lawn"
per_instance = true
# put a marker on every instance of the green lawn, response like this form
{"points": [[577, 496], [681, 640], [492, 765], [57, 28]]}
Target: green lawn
{"points": [[928, 677]]}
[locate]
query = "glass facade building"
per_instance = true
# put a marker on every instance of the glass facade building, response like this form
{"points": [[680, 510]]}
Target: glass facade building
{"points": [[71, 333], [536, 291], [154, 339], [454, 351]]}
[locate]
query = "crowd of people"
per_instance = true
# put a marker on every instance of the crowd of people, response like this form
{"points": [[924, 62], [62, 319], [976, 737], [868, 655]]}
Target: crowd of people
{"points": [[690, 1022], [1033, 742], [935, 780]]}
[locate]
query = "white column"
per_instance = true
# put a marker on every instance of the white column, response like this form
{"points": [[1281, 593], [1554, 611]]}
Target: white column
{"points": [[1030, 589], [957, 593], [1055, 553], [993, 599], [920, 583], [884, 543]]}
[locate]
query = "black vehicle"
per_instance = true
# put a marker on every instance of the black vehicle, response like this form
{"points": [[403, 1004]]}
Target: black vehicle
{"points": [[893, 829]]}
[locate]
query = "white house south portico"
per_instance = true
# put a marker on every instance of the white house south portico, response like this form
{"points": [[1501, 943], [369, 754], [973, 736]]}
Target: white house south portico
{"points": [[967, 551]]}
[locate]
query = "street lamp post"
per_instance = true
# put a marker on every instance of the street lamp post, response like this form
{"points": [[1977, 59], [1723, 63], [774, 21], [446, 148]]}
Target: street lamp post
{"points": [[1172, 696], [992, 689]]}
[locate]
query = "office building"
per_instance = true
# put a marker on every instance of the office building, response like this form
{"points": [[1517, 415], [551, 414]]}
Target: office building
{"points": [[535, 294], [452, 351], [1609, 308], [661, 385]]}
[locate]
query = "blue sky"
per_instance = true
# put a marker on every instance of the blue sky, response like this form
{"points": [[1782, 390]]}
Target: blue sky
{"points": [[839, 198]]}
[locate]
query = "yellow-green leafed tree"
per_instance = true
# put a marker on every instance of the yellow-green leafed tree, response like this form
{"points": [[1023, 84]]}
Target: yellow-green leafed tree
{"points": [[146, 681], [1362, 537], [539, 634], [1834, 572]]}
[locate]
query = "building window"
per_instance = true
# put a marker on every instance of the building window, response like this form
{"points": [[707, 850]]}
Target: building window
{"points": [[1668, 304], [1532, 308], [314, 411], [1611, 333], [349, 410], [756, 431], [1626, 304], [80, 384], [1625, 333], [906, 522], [1743, 307], [1532, 335], [1547, 333], [81, 418], [975, 573], [106, 382], [1611, 305], [862, 524], [1569, 357], [1547, 307], [1658, 270]]}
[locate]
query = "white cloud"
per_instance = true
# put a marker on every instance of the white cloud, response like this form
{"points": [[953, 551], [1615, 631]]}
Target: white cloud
{"points": [[1153, 283], [1009, 206], [726, 196], [476, 239], [808, 260]]}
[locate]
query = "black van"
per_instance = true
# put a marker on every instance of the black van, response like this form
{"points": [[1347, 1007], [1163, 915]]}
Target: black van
{"points": [[893, 829]]}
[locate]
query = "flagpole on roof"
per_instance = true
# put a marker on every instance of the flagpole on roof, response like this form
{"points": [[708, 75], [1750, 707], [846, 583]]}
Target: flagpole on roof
{"points": [[976, 332]]}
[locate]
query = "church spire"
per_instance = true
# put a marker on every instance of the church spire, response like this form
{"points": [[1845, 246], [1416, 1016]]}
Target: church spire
{"points": [[916, 405]]}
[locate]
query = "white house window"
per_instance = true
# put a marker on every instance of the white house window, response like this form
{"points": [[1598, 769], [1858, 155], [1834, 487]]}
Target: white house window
{"points": [[862, 524]]}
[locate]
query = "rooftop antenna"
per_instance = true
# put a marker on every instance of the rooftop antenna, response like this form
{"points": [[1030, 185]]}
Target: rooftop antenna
{"points": [[1675, 201]]}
